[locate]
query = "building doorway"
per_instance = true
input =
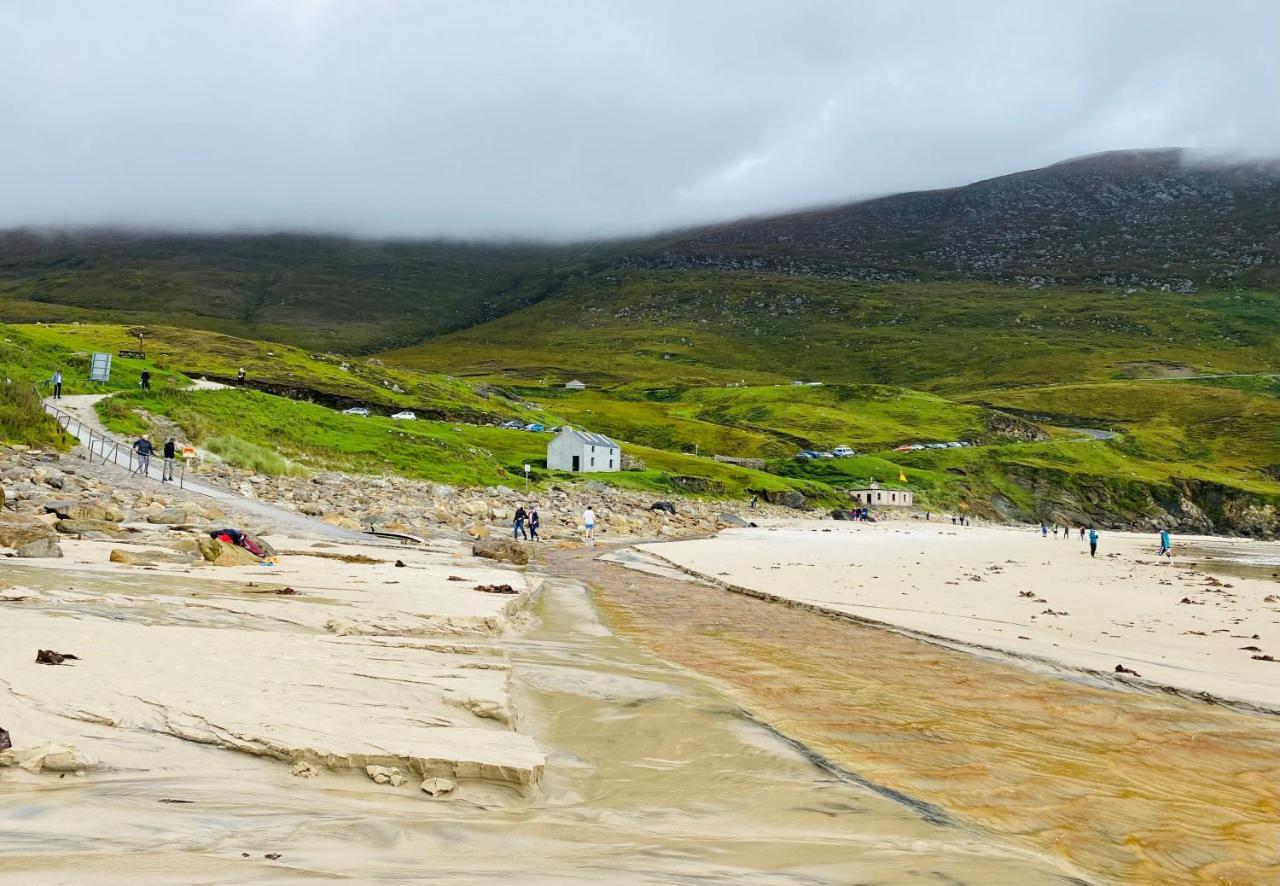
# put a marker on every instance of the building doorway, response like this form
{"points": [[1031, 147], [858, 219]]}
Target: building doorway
{"points": [[577, 462]]}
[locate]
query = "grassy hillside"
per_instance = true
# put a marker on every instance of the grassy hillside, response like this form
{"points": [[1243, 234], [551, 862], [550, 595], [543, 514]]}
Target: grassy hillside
{"points": [[766, 422], [443, 452], [172, 353], [326, 293], [698, 328]]}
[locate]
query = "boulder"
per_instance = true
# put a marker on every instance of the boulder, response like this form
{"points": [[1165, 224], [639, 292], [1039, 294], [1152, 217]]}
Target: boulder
{"points": [[17, 530], [87, 510], [500, 549], [476, 507], [220, 554], [81, 527], [41, 547], [437, 786], [478, 531], [731, 519], [172, 516]]}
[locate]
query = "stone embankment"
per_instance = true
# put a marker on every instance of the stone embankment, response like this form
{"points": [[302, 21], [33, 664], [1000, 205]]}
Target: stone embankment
{"points": [[358, 501]]}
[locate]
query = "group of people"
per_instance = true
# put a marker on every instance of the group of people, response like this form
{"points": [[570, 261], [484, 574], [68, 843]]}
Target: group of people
{"points": [[527, 521], [144, 449], [1165, 552]]}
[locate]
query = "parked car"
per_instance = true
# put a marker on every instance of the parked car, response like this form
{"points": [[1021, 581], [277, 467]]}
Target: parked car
{"points": [[512, 425], [535, 427], [825, 454], [405, 416], [356, 410], [903, 448], [842, 452], [955, 444], [807, 453]]}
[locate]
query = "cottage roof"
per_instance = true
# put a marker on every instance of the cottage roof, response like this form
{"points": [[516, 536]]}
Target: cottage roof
{"points": [[591, 439]]}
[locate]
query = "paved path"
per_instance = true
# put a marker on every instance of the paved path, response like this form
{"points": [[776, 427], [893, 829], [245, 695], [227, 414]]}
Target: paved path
{"points": [[109, 458]]}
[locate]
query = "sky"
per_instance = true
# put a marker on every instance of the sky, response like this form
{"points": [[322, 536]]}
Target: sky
{"points": [[583, 119]]}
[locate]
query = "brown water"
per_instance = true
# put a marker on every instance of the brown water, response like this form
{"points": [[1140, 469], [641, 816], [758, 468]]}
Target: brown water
{"points": [[654, 776], [1127, 786]]}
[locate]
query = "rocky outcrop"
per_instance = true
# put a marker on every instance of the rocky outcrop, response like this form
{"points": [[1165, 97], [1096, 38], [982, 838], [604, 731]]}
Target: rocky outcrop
{"points": [[41, 547], [17, 530]]}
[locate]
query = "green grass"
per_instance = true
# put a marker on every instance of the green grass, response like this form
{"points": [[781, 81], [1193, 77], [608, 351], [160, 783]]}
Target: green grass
{"points": [[438, 451], [703, 328], [343, 380], [23, 422], [252, 456], [322, 293]]}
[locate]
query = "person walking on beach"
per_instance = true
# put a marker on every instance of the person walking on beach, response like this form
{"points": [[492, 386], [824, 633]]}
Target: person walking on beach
{"points": [[1066, 532], [170, 454], [755, 501], [1082, 533], [142, 446], [1093, 542], [144, 380], [1166, 546], [535, 522], [518, 529], [1044, 530], [589, 523], [57, 384]]}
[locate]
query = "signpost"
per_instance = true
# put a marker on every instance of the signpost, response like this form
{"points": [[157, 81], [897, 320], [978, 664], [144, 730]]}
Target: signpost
{"points": [[100, 368], [527, 468]]}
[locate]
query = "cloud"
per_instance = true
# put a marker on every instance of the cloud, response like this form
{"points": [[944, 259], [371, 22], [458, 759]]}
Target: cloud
{"points": [[575, 118]]}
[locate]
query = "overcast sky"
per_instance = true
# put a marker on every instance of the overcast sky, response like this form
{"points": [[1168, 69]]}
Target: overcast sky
{"points": [[565, 119]]}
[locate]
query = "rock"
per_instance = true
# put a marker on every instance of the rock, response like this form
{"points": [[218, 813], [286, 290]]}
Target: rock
{"points": [[20, 529], [303, 769], [386, 775], [500, 549], [220, 554], [91, 510], [172, 516], [53, 757], [41, 547], [476, 507], [81, 527], [312, 509], [478, 531], [437, 786], [125, 557], [663, 506], [731, 519], [49, 657]]}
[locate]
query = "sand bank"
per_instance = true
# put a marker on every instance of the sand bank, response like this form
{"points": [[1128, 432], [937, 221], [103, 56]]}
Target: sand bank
{"points": [[1012, 590], [359, 663]]}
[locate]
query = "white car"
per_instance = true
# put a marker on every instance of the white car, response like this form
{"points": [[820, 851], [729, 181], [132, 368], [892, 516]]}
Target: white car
{"points": [[842, 452], [404, 416], [356, 410]]}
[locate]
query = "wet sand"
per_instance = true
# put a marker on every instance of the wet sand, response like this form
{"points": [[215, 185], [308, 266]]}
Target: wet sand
{"points": [[1126, 785], [1036, 598]]}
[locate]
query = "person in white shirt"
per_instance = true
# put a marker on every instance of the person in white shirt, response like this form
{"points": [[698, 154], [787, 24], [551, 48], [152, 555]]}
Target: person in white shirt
{"points": [[57, 384], [589, 522]]}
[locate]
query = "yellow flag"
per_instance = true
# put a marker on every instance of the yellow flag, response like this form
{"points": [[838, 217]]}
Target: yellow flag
{"points": [[902, 476]]}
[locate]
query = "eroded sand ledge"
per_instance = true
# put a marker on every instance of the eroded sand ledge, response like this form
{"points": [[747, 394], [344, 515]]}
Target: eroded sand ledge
{"points": [[365, 664], [1011, 590]]}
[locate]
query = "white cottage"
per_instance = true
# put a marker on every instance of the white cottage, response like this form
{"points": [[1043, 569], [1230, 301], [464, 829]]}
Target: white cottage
{"points": [[575, 385], [875, 497], [583, 451]]}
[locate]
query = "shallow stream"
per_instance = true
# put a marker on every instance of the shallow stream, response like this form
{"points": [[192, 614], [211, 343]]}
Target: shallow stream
{"points": [[653, 776]]}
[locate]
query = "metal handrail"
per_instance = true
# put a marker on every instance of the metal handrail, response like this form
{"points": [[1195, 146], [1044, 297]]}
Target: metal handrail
{"points": [[107, 448]]}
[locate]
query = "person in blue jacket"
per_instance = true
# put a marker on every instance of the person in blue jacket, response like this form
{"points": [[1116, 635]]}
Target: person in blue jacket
{"points": [[1093, 542]]}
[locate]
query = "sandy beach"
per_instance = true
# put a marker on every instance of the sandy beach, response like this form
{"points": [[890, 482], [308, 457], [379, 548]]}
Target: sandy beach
{"points": [[1044, 600]]}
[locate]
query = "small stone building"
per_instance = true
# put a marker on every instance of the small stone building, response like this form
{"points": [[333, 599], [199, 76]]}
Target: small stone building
{"points": [[583, 452], [874, 497], [575, 385]]}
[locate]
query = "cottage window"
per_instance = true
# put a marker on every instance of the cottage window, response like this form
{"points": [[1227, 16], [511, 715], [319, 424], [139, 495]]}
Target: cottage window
{"points": [[593, 459]]}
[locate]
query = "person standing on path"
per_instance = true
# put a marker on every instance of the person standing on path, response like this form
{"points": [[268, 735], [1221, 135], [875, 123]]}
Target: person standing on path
{"points": [[518, 523], [589, 523], [144, 380], [1166, 546], [57, 384], [170, 453], [142, 446], [1093, 542], [535, 522], [240, 376]]}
